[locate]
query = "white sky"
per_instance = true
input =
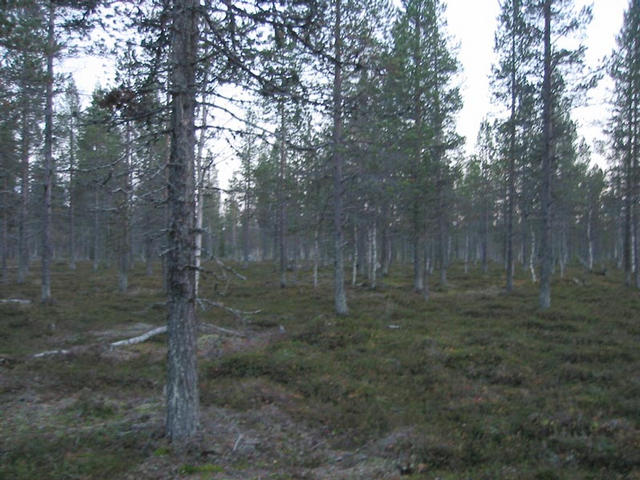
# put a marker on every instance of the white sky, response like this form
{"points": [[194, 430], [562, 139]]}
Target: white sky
{"points": [[472, 24]]}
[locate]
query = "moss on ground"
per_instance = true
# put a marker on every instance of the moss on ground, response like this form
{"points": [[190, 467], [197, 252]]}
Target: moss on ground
{"points": [[484, 384]]}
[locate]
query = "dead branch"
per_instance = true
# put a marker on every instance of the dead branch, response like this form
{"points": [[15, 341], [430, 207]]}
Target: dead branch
{"points": [[140, 338], [239, 314], [19, 301]]}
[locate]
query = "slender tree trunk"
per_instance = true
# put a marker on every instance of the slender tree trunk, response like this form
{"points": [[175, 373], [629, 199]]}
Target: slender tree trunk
{"points": [[589, 240], [125, 246], [200, 176], [340, 297], [373, 255], [512, 153], [23, 247], [316, 255], [4, 210], [72, 203], [96, 228], [182, 376], [425, 272], [282, 209], [356, 257], [466, 252], [48, 161], [546, 253]]}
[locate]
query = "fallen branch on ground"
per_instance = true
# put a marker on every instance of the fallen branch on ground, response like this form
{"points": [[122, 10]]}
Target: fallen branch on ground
{"points": [[135, 340], [19, 301], [239, 314], [49, 353], [140, 338]]}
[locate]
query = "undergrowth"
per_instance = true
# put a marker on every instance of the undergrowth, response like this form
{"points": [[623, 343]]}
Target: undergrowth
{"points": [[482, 384]]}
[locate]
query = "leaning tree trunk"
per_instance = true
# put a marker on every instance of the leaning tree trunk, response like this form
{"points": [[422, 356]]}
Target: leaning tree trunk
{"points": [[48, 161], [340, 297], [546, 245], [182, 375]]}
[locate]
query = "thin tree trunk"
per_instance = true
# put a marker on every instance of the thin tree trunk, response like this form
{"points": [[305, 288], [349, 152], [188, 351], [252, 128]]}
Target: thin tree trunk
{"points": [[355, 259], [316, 256], [182, 376], [4, 245], [512, 153], [125, 246], [589, 240], [72, 203], [532, 266], [48, 161], [546, 253], [373, 255], [23, 247], [282, 209], [200, 176], [340, 297]]}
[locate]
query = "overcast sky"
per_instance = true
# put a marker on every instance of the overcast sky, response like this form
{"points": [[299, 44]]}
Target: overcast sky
{"points": [[472, 24]]}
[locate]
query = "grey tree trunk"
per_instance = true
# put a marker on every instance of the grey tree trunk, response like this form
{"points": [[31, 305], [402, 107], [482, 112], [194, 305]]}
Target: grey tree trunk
{"points": [[72, 214], [316, 255], [589, 240], [48, 161], [200, 176], [23, 247], [512, 153], [182, 376], [282, 208], [96, 227], [355, 259], [340, 297], [546, 254], [125, 212], [4, 249], [373, 255]]}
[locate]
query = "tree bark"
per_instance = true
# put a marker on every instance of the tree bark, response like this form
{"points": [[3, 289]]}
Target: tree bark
{"points": [[72, 213], [340, 297], [546, 253], [512, 153], [23, 248], [282, 208], [48, 161], [182, 377]]}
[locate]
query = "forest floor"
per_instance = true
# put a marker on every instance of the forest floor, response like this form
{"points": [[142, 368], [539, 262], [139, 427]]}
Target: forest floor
{"points": [[473, 384]]}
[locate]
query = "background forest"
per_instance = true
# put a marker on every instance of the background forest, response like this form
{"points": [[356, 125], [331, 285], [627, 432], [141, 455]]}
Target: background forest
{"points": [[354, 212]]}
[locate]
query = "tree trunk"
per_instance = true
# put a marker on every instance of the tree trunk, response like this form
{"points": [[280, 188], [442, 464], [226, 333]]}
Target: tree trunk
{"points": [[316, 256], [340, 297], [125, 212], [546, 253], [355, 259], [182, 376], [589, 240], [48, 161], [96, 227], [373, 255], [200, 176], [282, 209], [512, 154], [23, 247], [72, 214]]}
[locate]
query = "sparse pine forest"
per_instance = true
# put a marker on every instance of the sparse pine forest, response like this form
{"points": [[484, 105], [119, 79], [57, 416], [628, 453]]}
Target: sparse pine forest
{"points": [[262, 249]]}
